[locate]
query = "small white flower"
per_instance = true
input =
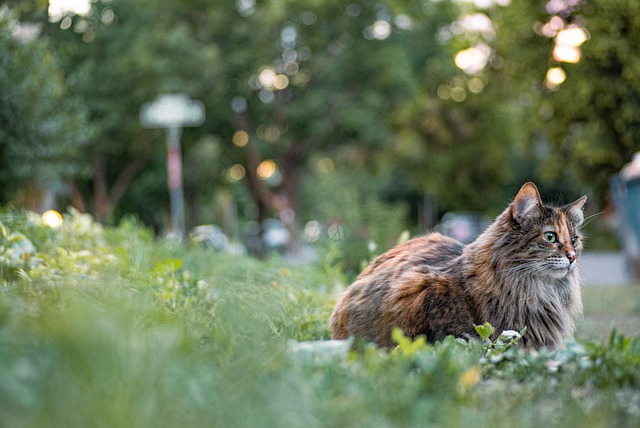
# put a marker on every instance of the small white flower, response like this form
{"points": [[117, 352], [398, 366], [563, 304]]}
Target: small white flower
{"points": [[511, 334], [202, 285]]}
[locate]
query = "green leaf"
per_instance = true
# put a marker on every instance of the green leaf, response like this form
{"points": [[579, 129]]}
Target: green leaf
{"points": [[485, 331], [167, 266], [407, 346]]}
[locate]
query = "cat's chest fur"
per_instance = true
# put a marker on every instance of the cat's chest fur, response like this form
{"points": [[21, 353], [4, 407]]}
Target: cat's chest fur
{"points": [[512, 276], [548, 307]]}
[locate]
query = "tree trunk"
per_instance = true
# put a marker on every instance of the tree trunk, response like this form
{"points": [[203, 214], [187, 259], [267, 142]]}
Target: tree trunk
{"points": [[286, 202], [104, 200], [76, 197], [291, 189], [100, 201]]}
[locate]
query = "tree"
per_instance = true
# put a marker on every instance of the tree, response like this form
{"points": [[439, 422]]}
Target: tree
{"points": [[311, 78], [42, 127], [363, 85], [122, 54], [283, 82], [597, 121], [584, 129], [459, 139]]}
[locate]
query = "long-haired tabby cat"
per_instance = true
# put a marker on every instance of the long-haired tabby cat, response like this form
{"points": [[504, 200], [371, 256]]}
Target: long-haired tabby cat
{"points": [[520, 272]]}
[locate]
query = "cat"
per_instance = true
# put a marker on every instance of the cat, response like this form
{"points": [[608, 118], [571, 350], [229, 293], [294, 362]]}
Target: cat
{"points": [[521, 271]]}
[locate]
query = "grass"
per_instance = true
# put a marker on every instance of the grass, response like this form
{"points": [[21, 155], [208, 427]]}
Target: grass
{"points": [[110, 328], [607, 307]]}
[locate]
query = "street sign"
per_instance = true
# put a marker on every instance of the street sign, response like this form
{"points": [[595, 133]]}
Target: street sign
{"points": [[171, 110]]}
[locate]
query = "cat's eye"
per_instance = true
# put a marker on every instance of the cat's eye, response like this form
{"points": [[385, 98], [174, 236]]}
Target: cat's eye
{"points": [[551, 237], [574, 241]]}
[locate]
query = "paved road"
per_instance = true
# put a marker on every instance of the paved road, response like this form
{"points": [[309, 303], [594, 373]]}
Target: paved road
{"points": [[603, 268]]}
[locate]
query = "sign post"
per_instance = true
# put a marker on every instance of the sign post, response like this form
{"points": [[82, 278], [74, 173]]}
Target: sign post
{"points": [[173, 112]]}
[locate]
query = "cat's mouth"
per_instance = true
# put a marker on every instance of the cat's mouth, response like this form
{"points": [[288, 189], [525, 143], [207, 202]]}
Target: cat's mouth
{"points": [[559, 267]]}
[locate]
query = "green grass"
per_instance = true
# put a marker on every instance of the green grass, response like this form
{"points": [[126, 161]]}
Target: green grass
{"points": [[607, 307], [108, 327]]}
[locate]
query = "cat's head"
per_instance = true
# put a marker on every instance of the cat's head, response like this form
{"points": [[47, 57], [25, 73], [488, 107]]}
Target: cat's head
{"points": [[550, 242]]}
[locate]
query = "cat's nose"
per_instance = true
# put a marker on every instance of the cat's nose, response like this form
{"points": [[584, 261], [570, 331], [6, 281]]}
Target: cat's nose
{"points": [[571, 255]]}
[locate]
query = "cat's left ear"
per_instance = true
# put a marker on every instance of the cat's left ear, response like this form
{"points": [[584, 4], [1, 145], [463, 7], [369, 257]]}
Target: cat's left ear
{"points": [[526, 203], [575, 212]]}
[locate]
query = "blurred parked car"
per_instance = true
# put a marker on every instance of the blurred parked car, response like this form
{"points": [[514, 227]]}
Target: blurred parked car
{"points": [[463, 226]]}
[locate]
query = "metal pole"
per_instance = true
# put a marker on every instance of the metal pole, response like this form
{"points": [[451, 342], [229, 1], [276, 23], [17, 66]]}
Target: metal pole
{"points": [[174, 172]]}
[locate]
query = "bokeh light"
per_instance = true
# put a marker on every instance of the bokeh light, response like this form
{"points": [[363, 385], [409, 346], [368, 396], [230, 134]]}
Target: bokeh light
{"points": [[485, 4], [59, 8], [551, 28], [478, 23], [458, 94], [555, 77], [245, 7], [236, 173], [476, 85], [403, 22], [326, 165], [269, 133], [269, 80], [474, 59], [266, 77], [569, 54], [568, 41], [266, 169], [241, 138], [302, 78], [561, 6], [572, 36], [291, 67], [280, 82], [312, 231], [52, 218], [381, 29]]}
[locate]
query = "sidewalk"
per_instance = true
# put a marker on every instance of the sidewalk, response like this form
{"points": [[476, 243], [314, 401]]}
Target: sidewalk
{"points": [[603, 268]]}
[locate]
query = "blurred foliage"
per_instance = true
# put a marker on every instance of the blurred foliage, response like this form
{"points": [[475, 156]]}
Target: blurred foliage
{"points": [[597, 127], [354, 217], [42, 128], [365, 86], [585, 130], [108, 326]]}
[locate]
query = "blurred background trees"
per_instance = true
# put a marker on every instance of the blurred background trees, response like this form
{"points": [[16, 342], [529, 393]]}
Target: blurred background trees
{"points": [[43, 129], [320, 110]]}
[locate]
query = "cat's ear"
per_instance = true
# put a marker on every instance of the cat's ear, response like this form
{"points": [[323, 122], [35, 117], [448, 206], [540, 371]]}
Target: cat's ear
{"points": [[575, 212], [527, 202]]}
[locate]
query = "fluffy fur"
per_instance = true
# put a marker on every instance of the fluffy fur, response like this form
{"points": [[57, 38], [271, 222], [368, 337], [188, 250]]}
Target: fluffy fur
{"points": [[520, 272]]}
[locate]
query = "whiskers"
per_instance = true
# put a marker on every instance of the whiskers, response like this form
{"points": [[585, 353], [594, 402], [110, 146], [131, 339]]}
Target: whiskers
{"points": [[525, 267], [592, 217], [578, 269], [553, 267]]}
